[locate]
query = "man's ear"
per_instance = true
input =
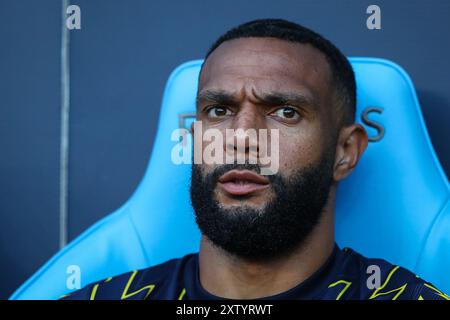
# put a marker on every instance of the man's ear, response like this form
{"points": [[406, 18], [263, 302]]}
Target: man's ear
{"points": [[351, 144]]}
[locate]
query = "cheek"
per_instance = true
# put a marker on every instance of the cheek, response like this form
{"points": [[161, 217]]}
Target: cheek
{"points": [[298, 150]]}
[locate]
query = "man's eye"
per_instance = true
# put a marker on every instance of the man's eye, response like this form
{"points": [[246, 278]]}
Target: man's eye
{"points": [[287, 113], [218, 111]]}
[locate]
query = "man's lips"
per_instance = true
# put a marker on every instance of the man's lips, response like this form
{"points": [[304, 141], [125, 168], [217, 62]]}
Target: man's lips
{"points": [[242, 182]]}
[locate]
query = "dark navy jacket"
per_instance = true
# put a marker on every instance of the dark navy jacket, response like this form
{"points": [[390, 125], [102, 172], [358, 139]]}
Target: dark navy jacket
{"points": [[343, 276]]}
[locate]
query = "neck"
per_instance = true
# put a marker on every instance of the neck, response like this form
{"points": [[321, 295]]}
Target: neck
{"points": [[228, 276]]}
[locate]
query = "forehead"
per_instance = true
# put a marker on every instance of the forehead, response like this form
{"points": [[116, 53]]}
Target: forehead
{"points": [[266, 64]]}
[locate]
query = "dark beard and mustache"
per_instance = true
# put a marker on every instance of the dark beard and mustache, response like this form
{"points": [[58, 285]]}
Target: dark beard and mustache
{"points": [[272, 231]]}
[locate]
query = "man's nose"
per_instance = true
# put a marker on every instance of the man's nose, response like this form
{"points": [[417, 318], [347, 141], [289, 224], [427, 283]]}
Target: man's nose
{"points": [[246, 125]]}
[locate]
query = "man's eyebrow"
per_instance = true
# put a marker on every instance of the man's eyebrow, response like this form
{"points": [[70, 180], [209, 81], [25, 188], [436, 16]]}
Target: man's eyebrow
{"points": [[217, 96], [271, 98], [282, 98]]}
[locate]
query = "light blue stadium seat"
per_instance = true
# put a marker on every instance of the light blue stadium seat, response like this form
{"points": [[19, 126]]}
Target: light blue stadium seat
{"points": [[395, 205]]}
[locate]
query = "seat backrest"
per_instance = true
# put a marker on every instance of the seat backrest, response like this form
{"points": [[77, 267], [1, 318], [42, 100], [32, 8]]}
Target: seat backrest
{"points": [[395, 205]]}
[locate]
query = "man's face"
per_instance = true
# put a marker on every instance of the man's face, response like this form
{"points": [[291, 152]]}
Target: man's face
{"points": [[266, 83]]}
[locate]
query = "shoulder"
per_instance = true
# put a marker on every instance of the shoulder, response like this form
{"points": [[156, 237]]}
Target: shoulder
{"points": [[379, 279], [160, 282]]}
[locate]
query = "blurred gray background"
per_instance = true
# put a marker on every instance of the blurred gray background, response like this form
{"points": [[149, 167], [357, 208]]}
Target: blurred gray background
{"points": [[119, 62]]}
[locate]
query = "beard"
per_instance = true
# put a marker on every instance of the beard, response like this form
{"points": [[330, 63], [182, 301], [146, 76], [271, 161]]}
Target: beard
{"points": [[269, 232]]}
